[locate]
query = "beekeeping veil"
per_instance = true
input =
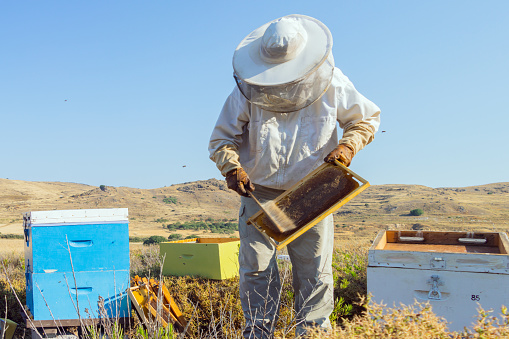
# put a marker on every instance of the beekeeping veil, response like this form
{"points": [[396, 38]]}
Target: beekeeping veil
{"points": [[286, 64]]}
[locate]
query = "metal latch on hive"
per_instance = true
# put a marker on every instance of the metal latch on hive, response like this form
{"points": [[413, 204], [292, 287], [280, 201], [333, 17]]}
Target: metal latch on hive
{"points": [[434, 292]]}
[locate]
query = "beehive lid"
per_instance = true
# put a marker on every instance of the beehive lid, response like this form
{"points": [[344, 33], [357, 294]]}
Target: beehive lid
{"points": [[57, 217], [457, 251]]}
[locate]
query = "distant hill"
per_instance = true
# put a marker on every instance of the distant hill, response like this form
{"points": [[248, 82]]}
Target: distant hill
{"points": [[182, 202], [484, 207]]}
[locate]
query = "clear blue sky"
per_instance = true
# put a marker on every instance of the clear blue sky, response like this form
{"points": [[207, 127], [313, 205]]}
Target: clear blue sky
{"points": [[126, 93]]}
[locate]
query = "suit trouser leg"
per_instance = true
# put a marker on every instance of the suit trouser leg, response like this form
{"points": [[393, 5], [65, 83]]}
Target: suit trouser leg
{"points": [[313, 283], [311, 256], [259, 277]]}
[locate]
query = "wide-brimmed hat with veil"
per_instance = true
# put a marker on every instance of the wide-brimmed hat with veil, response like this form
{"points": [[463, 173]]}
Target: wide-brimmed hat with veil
{"points": [[286, 64]]}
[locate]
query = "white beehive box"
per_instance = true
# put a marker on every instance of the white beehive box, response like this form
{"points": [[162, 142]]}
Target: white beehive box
{"points": [[454, 271]]}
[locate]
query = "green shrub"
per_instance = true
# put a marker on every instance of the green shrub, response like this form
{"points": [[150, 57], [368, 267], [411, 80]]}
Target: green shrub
{"points": [[155, 239], [11, 236], [170, 200], [220, 227], [103, 187], [349, 266], [175, 236], [416, 212]]}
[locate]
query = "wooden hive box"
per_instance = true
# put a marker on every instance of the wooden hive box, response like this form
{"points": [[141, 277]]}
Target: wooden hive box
{"points": [[454, 271], [212, 258]]}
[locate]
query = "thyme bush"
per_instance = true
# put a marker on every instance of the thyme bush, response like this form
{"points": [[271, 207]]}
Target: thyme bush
{"points": [[213, 307]]}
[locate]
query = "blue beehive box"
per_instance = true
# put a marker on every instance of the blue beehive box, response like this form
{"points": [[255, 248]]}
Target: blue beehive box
{"points": [[58, 295], [77, 258]]}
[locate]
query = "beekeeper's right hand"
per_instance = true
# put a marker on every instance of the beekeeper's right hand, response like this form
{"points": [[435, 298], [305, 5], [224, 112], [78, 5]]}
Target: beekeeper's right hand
{"points": [[238, 180]]}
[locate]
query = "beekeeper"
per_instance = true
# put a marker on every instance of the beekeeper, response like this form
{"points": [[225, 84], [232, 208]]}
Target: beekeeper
{"points": [[279, 124]]}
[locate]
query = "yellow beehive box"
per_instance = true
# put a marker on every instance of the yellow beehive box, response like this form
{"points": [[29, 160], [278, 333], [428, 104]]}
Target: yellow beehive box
{"points": [[8, 326], [213, 258]]}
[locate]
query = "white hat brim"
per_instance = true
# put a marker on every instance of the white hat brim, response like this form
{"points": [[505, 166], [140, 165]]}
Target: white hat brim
{"points": [[250, 67]]}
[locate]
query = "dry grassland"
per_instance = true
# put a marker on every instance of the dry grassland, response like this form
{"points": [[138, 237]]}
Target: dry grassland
{"points": [[8, 246], [478, 208]]}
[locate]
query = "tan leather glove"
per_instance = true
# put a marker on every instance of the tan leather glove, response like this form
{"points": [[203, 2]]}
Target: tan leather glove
{"points": [[239, 181], [342, 153]]}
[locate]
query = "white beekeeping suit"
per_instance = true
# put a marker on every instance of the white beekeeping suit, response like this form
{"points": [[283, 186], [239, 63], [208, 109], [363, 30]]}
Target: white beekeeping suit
{"points": [[278, 125]]}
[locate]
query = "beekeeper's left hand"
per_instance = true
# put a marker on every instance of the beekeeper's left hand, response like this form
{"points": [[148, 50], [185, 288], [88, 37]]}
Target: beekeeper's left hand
{"points": [[342, 153]]}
